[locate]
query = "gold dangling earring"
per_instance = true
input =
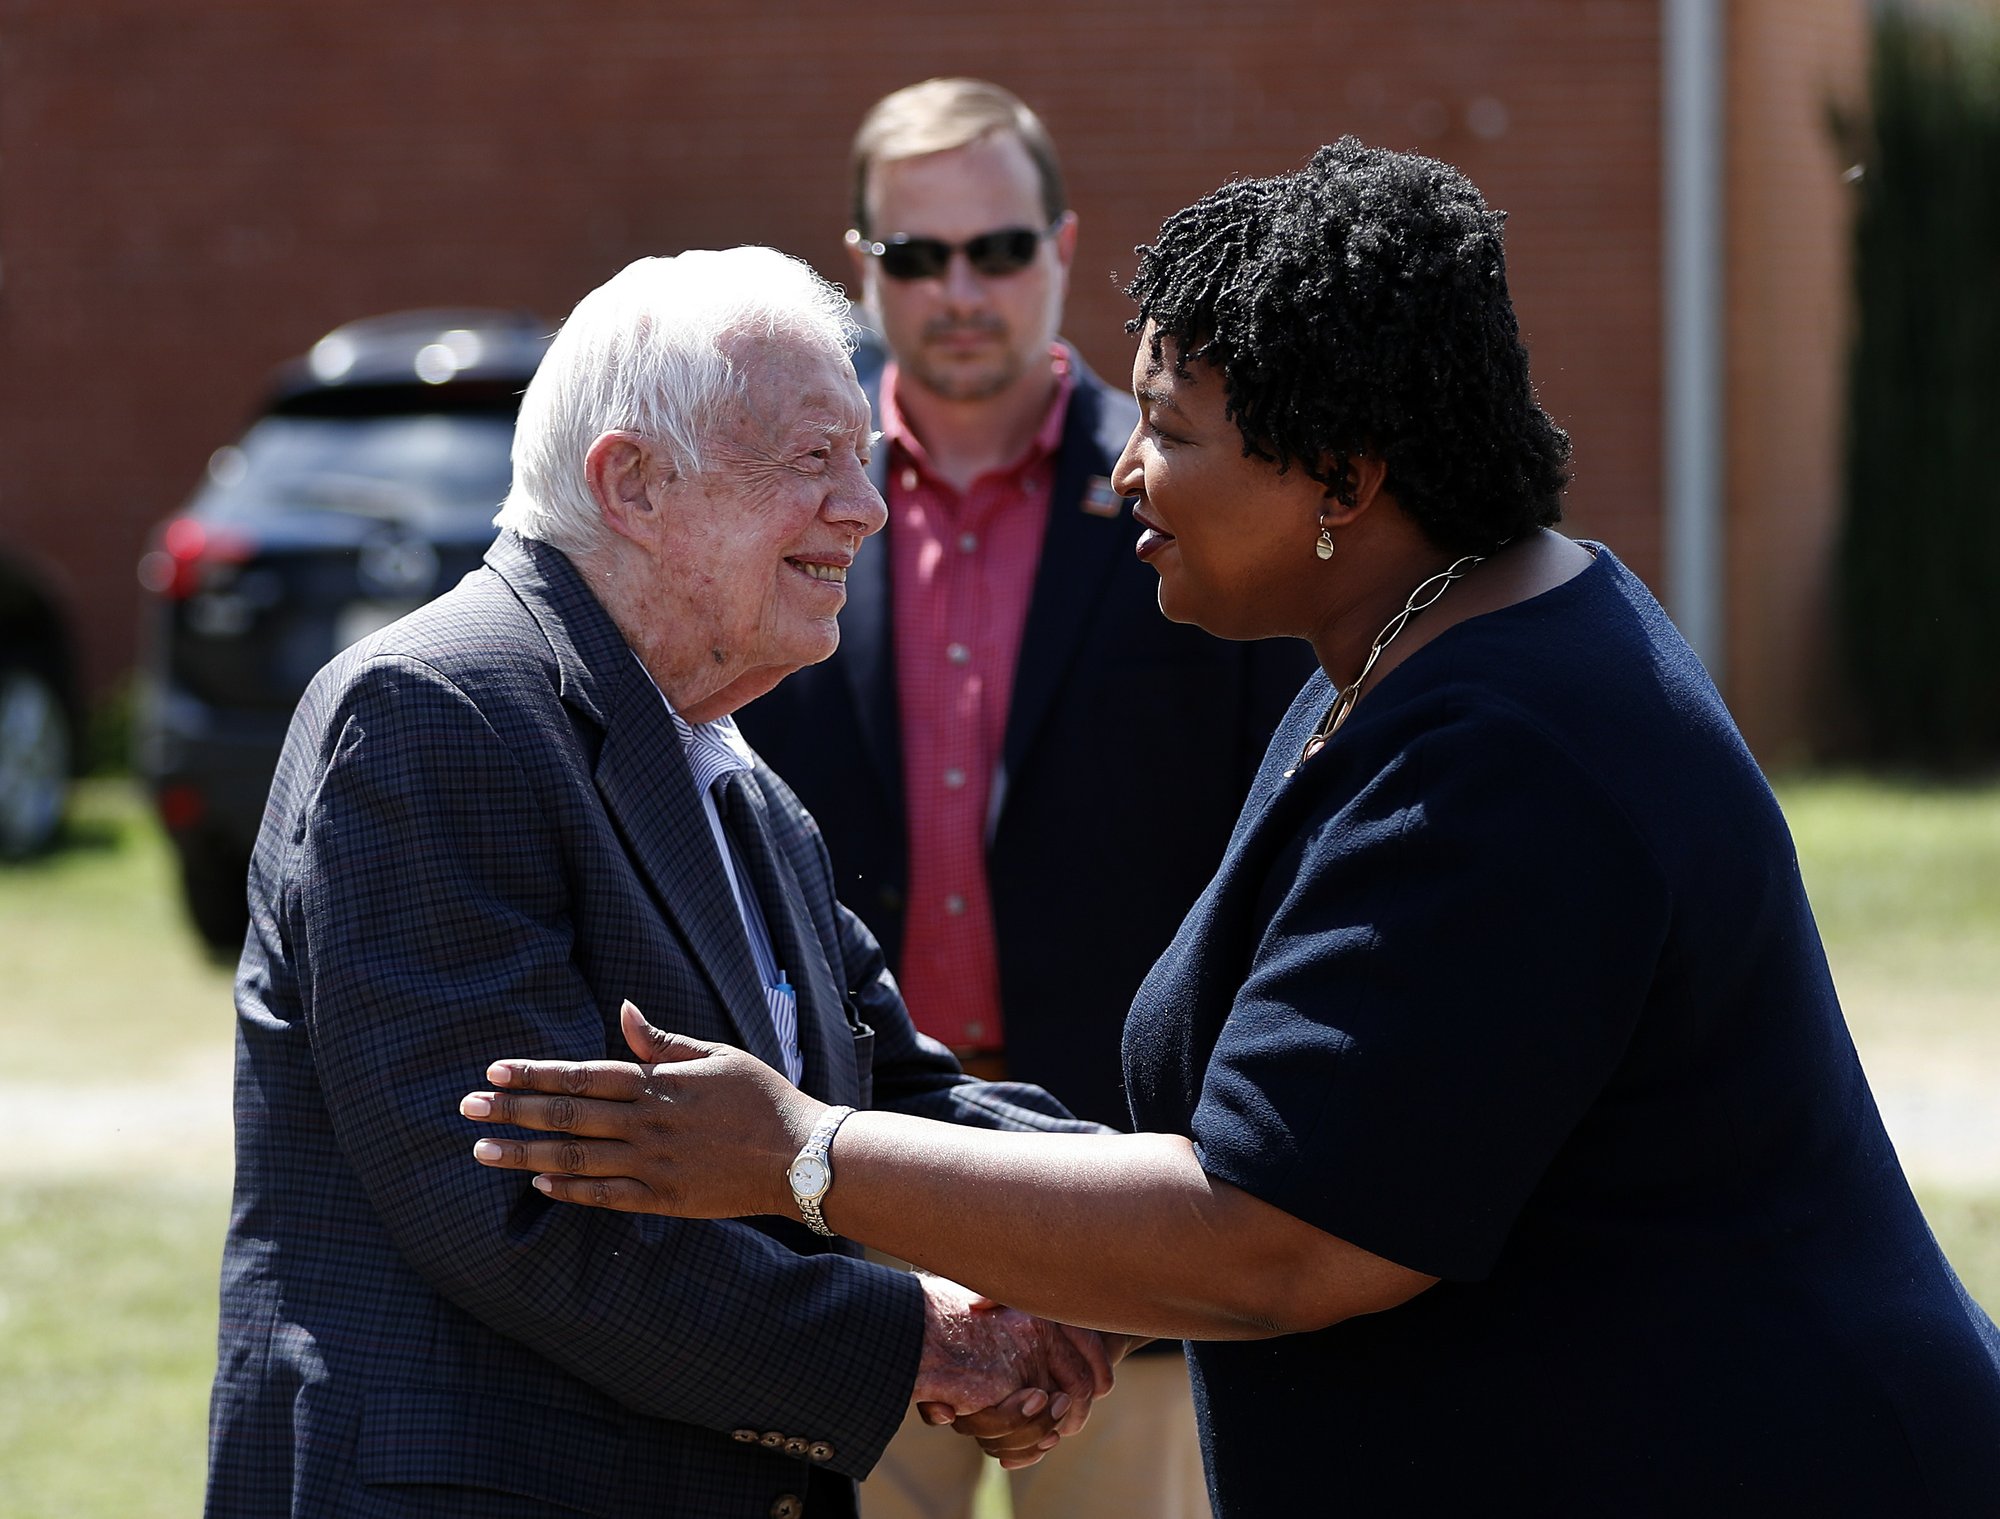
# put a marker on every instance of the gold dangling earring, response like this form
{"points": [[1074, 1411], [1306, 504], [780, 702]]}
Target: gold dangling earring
{"points": [[1324, 548]]}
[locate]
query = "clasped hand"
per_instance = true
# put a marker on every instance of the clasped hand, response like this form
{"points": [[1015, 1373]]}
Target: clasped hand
{"points": [[706, 1131]]}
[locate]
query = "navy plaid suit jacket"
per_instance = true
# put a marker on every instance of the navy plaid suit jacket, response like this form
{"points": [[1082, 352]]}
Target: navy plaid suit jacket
{"points": [[481, 837]]}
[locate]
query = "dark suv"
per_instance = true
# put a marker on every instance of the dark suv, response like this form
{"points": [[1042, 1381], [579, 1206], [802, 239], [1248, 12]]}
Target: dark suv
{"points": [[367, 487]]}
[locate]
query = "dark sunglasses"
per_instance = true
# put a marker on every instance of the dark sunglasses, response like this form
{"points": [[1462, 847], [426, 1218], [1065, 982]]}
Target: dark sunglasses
{"points": [[1007, 251]]}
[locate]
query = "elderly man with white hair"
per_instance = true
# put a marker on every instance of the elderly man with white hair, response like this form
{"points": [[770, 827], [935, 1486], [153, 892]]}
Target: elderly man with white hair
{"points": [[493, 823]]}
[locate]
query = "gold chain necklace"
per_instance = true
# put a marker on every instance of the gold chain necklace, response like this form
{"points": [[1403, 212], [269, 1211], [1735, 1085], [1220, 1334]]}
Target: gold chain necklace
{"points": [[1344, 699]]}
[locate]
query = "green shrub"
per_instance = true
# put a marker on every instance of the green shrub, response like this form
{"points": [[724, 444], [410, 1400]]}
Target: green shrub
{"points": [[107, 739], [1919, 566]]}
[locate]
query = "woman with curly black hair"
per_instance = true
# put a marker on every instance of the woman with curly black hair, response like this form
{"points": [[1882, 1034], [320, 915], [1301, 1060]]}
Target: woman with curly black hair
{"points": [[1505, 1149]]}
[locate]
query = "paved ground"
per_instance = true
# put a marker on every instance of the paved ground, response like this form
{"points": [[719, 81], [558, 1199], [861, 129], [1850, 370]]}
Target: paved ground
{"points": [[1944, 1117], [1945, 1120], [175, 1121]]}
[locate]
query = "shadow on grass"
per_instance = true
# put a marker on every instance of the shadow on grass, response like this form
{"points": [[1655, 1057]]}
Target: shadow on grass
{"points": [[95, 835]]}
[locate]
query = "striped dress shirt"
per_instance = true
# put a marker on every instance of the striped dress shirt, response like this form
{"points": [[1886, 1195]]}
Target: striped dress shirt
{"points": [[714, 750]]}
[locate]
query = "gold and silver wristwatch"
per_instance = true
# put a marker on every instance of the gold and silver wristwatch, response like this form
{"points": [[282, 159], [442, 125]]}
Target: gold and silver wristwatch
{"points": [[811, 1171]]}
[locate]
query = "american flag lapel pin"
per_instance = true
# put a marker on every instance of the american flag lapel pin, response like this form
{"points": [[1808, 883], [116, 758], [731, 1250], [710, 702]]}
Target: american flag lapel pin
{"points": [[1100, 500]]}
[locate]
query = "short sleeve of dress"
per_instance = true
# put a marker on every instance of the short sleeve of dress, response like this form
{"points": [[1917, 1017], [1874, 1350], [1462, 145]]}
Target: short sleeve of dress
{"points": [[1449, 974]]}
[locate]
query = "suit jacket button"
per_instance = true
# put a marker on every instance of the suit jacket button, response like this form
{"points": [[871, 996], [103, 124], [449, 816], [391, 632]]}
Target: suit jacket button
{"points": [[820, 1451], [795, 1446], [788, 1506], [772, 1440], [744, 1436]]}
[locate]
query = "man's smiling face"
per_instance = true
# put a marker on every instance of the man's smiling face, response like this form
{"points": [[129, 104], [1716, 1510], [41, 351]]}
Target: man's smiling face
{"points": [[753, 551]]}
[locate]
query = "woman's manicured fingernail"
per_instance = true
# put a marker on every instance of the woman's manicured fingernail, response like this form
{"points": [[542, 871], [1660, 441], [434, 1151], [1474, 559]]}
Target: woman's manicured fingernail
{"points": [[486, 1149], [1060, 1406], [476, 1105], [500, 1075], [544, 1184]]}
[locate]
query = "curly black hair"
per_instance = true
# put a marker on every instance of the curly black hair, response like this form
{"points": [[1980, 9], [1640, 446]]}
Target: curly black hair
{"points": [[1359, 306]]}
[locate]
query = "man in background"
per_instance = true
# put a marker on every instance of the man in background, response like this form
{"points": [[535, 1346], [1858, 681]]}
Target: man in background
{"points": [[1025, 773]]}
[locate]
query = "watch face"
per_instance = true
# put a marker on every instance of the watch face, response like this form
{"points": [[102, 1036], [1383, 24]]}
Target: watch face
{"points": [[809, 1176]]}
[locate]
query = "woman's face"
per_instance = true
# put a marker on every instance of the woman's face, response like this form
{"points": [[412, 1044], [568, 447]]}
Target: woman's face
{"points": [[1231, 537]]}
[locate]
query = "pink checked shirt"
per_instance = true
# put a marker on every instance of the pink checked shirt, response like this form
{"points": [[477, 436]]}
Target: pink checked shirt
{"points": [[962, 569]]}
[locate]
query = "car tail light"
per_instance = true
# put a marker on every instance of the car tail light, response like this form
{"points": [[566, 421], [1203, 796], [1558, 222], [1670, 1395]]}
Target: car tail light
{"points": [[181, 807], [187, 551]]}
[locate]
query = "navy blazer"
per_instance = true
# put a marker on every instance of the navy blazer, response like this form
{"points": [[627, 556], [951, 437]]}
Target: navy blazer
{"points": [[1130, 743], [482, 836]]}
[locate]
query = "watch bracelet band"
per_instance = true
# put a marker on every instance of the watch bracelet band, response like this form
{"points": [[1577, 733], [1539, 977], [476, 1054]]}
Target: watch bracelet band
{"points": [[819, 1144]]}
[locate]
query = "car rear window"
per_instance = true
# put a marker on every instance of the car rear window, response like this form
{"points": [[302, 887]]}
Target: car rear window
{"points": [[408, 467]]}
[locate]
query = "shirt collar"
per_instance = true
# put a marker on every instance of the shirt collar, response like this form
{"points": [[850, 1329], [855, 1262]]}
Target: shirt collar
{"points": [[714, 748]]}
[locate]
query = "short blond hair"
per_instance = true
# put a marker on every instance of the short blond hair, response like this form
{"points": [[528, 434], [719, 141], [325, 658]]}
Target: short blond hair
{"points": [[941, 114]]}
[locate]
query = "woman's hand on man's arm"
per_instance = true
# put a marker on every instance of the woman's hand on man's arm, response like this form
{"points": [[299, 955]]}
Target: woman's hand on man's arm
{"points": [[1121, 1232]]}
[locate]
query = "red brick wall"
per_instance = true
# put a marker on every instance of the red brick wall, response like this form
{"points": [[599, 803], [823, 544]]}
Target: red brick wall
{"points": [[1788, 324], [192, 190]]}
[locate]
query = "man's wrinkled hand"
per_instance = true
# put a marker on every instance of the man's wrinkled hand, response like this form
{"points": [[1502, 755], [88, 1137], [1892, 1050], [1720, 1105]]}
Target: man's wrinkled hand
{"points": [[1014, 1382], [1019, 1431]]}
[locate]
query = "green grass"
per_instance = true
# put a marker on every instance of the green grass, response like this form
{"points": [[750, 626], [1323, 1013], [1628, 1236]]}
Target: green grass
{"points": [[1919, 863], [107, 1287], [1905, 882], [97, 959], [992, 1500], [1904, 879], [107, 1344], [1968, 1227]]}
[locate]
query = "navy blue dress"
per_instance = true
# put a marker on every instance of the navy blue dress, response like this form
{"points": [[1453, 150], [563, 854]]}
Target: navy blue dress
{"points": [[1515, 984]]}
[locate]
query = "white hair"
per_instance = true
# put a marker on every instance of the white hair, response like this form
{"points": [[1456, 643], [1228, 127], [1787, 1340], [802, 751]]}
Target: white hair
{"points": [[648, 352]]}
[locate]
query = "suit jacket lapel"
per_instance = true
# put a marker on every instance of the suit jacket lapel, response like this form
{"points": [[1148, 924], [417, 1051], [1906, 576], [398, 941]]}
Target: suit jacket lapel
{"points": [[643, 779], [824, 1042], [1079, 549]]}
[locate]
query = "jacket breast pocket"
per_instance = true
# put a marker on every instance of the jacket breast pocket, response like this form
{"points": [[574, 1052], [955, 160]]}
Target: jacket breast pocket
{"points": [[864, 1056], [493, 1450]]}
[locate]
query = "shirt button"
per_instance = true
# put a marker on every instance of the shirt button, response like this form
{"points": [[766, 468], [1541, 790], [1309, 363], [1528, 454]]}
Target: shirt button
{"points": [[954, 778], [909, 478], [968, 543], [958, 653], [975, 1030], [954, 904]]}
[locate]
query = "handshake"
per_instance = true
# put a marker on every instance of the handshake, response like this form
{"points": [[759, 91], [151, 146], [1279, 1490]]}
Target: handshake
{"points": [[702, 1130], [1015, 1383]]}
